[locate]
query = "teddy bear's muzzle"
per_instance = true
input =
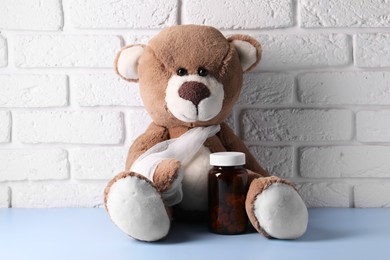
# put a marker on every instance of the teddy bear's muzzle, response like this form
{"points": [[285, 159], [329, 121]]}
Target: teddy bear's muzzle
{"points": [[192, 98]]}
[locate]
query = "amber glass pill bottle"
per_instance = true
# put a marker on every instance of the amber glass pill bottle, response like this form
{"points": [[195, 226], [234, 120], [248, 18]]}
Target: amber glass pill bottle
{"points": [[227, 192]]}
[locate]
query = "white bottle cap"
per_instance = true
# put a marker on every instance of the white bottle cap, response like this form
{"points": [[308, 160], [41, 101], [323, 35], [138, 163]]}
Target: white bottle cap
{"points": [[227, 159]]}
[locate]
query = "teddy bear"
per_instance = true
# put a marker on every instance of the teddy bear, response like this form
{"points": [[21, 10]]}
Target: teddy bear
{"points": [[190, 77]]}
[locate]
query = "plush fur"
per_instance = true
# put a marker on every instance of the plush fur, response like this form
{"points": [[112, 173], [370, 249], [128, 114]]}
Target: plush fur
{"points": [[191, 76]]}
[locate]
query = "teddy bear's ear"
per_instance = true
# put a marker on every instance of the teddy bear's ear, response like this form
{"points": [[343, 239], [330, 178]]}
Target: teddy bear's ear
{"points": [[126, 62], [248, 49]]}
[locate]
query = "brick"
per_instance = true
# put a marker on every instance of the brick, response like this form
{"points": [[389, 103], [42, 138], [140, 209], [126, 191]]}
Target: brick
{"points": [[97, 163], [230, 121], [31, 15], [5, 127], [325, 194], [372, 195], [339, 13], [284, 51], [345, 162], [5, 199], [49, 195], [266, 88], [137, 120], [3, 52], [368, 88], [137, 38], [296, 124], [372, 50], [373, 126], [247, 14], [66, 51], [104, 90], [277, 160], [81, 127], [33, 90], [123, 14], [33, 164]]}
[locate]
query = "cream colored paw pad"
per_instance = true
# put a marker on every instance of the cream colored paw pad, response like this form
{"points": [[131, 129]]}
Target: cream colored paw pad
{"points": [[281, 212], [136, 207]]}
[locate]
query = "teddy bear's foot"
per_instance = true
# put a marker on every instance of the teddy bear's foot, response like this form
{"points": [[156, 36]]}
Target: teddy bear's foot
{"points": [[136, 207], [276, 209]]}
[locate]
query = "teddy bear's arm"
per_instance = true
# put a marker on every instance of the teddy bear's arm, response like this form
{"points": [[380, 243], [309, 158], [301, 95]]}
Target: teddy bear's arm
{"points": [[154, 134], [232, 143]]}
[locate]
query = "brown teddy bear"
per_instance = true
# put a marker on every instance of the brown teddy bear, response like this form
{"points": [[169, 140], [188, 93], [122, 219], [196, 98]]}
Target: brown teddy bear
{"points": [[190, 77]]}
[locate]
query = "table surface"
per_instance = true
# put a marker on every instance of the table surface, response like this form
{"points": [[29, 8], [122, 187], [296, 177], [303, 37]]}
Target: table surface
{"points": [[89, 234]]}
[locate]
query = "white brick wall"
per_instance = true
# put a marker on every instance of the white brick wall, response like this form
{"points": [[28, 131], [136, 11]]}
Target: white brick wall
{"points": [[373, 126], [78, 127], [3, 52], [33, 164], [277, 160], [267, 88], [325, 194], [137, 38], [335, 88], [4, 197], [296, 125], [5, 126], [33, 90], [372, 195], [53, 195], [66, 51], [97, 163], [372, 50], [104, 90], [288, 52], [123, 14], [239, 14], [345, 162], [316, 110], [341, 13], [31, 15], [137, 120]]}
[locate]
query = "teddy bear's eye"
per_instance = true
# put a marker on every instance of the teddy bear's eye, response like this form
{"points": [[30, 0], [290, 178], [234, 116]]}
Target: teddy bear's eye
{"points": [[182, 72], [202, 72]]}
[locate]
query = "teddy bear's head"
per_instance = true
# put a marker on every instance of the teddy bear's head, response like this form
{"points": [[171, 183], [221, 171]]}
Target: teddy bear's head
{"points": [[189, 75]]}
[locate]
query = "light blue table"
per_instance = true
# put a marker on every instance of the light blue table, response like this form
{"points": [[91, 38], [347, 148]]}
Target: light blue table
{"points": [[88, 234]]}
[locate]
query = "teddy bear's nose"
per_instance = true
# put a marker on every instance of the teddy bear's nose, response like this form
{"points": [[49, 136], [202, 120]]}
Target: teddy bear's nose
{"points": [[194, 92]]}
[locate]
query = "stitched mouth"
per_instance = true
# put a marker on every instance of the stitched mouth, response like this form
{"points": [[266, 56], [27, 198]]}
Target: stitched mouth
{"points": [[189, 119], [195, 118]]}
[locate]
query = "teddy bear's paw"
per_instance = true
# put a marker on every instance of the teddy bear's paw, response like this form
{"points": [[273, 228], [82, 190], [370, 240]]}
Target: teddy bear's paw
{"points": [[166, 173], [276, 209], [136, 207]]}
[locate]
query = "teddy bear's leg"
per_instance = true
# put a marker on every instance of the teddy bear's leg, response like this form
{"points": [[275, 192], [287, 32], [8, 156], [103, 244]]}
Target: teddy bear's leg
{"points": [[275, 208], [136, 207]]}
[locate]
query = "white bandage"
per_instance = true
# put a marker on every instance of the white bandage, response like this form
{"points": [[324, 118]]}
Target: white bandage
{"points": [[182, 149]]}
